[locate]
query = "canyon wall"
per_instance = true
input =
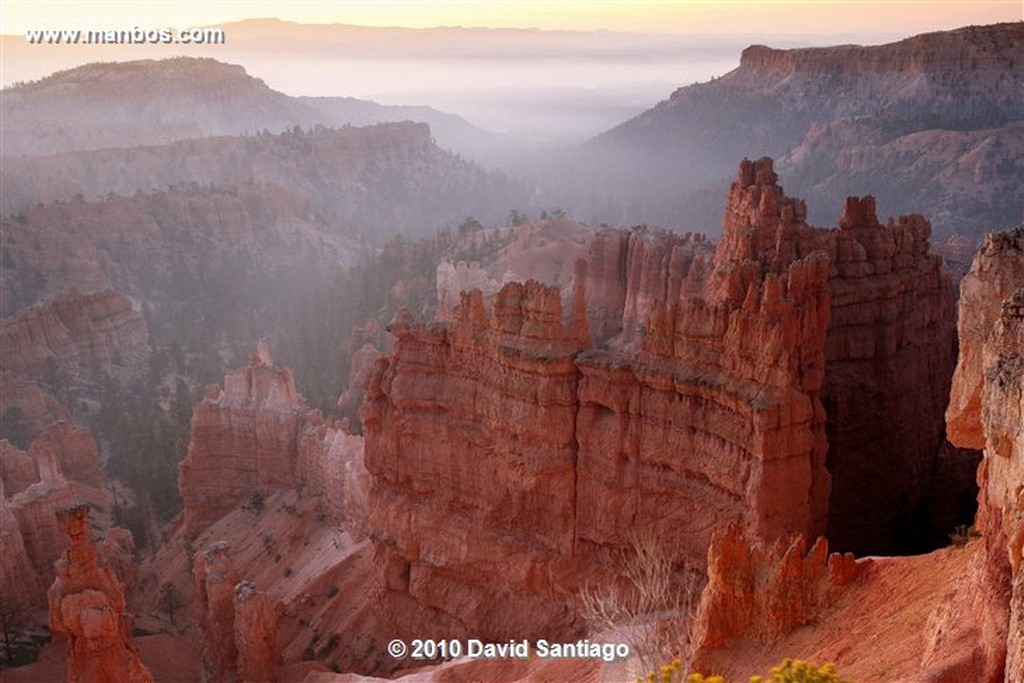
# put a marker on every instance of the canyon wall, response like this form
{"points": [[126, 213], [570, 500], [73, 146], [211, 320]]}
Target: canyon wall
{"points": [[501, 436], [890, 354], [889, 347], [987, 409], [76, 334], [688, 387]]}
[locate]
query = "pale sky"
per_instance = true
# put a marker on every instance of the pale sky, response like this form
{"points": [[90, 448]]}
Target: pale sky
{"points": [[866, 17]]}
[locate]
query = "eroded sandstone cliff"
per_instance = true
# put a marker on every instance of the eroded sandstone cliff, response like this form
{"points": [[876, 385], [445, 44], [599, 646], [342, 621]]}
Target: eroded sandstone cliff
{"points": [[497, 430], [77, 335], [705, 389], [986, 409]]}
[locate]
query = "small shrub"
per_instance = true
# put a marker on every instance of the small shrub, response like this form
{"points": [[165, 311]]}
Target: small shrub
{"points": [[288, 572], [321, 513], [255, 503], [332, 591], [789, 671], [962, 535]]}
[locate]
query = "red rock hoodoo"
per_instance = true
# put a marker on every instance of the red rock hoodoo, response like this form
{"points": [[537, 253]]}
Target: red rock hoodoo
{"points": [[691, 395], [547, 454], [244, 440], [87, 603], [760, 592], [256, 436]]}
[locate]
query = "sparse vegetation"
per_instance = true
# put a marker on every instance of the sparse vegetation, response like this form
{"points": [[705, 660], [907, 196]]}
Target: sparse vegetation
{"points": [[171, 600], [652, 609], [789, 671], [962, 535], [14, 618], [255, 503]]}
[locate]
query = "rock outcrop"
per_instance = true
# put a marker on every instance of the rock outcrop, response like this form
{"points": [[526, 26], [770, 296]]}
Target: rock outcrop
{"points": [[244, 441], [997, 270], [255, 634], [76, 334], [215, 577], [890, 355], [239, 622], [497, 429], [759, 593], [710, 380], [34, 489], [256, 436], [87, 603], [987, 409]]}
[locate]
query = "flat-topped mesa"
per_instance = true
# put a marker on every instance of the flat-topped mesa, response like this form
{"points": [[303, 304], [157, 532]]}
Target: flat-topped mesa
{"points": [[244, 440], [87, 603]]}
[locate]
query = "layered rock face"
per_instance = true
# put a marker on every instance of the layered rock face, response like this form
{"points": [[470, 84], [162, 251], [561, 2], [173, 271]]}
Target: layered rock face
{"points": [[696, 396], [78, 333], [547, 458], [256, 436], [890, 354], [87, 603], [997, 270], [244, 441], [987, 409], [470, 441], [34, 488]]}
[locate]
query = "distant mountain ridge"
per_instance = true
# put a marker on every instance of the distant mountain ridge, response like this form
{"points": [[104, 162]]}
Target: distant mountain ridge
{"points": [[661, 165], [375, 181], [147, 102]]}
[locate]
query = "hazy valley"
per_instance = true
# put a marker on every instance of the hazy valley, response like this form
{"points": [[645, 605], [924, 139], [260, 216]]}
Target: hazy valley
{"points": [[285, 378]]}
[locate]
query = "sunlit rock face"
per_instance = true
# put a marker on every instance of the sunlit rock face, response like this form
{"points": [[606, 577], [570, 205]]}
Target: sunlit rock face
{"points": [[986, 409], [508, 456], [87, 603]]}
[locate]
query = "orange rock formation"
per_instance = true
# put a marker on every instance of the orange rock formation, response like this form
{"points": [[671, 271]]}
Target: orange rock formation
{"points": [[986, 408], [759, 593], [87, 603]]}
